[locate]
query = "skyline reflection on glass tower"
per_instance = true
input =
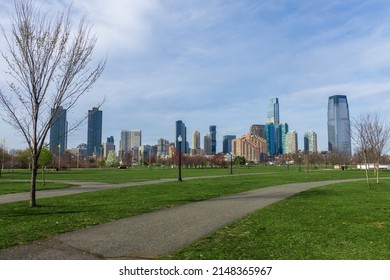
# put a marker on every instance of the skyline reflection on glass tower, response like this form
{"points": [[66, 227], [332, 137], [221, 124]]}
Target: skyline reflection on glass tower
{"points": [[339, 126]]}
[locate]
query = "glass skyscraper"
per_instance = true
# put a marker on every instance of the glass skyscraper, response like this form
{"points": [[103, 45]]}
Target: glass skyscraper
{"points": [[339, 127], [273, 111], [58, 131], [182, 131], [213, 134], [94, 136]]}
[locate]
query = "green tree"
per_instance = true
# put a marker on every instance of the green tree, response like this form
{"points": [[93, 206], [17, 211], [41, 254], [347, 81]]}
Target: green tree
{"points": [[44, 159]]}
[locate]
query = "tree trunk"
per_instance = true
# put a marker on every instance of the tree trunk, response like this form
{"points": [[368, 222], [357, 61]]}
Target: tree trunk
{"points": [[34, 173], [367, 174]]}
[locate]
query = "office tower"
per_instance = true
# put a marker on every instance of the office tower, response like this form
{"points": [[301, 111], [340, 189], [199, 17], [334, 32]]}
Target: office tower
{"points": [[130, 139], [108, 146], [213, 135], [58, 131], [273, 111], [252, 147], [196, 140], [162, 147], [339, 127], [257, 129], [181, 130], [207, 144], [310, 142], [292, 142], [94, 137], [281, 138], [227, 143], [270, 138]]}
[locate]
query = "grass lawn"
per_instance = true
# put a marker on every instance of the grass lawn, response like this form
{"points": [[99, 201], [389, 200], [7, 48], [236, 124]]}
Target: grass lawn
{"points": [[20, 224], [7, 187], [342, 221]]}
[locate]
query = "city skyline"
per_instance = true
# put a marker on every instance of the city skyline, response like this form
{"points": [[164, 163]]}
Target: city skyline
{"points": [[220, 62]]}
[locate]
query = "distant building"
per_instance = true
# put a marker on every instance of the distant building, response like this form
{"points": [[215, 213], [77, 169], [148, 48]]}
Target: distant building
{"points": [[94, 137], [108, 146], [58, 131], [310, 142], [162, 147], [227, 143], [196, 140], [273, 111], [281, 138], [257, 129], [252, 147], [181, 130], [270, 137], [339, 126], [129, 140], [213, 135], [207, 144], [292, 142]]}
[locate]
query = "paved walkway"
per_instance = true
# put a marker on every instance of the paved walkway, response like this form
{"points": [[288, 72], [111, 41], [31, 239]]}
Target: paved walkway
{"points": [[158, 233]]}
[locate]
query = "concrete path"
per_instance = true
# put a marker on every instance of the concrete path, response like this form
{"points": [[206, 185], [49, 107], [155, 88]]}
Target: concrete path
{"points": [[150, 235]]}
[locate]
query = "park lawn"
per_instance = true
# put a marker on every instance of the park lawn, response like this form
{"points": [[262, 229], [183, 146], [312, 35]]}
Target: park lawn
{"points": [[20, 223], [8, 187], [113, 175], [335, 222]]}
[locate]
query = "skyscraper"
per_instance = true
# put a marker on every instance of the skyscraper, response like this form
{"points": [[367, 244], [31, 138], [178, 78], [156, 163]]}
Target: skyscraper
{"points": [[94, 137], [339, 126], [257, 129], [207, 144], [58, 131], [182, 131], [310, 142], [130, 139], [281, 137], [196, 140], [227, 143], [273, 111], [292, 142], [213, 135]]}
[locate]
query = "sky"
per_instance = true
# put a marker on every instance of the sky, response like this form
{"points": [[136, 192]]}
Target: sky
{"points": [[219, 62]]}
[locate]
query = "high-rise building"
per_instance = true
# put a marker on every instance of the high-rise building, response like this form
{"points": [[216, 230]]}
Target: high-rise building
{"points": [[207, 144], [196, 140], [252, 147], [94, 136], [213, 135], [58, 131], [281, 138], [108, 146], [257, 129], [270, 138], [292, 142], [181, 131], [227, 143], [273, 111], [339, 126], [162, 147], [310, 142], [130, 139]]}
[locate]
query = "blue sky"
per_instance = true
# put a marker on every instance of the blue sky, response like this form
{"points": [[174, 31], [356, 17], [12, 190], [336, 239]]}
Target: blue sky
{"points": [[219, 62]]}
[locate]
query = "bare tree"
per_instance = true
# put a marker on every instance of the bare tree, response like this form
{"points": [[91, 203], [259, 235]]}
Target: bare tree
{"points": [[371, 135], [49, 67]]}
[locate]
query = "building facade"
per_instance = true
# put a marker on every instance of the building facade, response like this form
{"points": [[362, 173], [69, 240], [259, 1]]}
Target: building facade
{"points": [[251, 147], [310, 142], [181, 130], [292, 142], [108, 146], [257, 129], [227, 143], [58, 131], [207, 144], [273, 111], [213, 135], [94, 136], [339, 126]]}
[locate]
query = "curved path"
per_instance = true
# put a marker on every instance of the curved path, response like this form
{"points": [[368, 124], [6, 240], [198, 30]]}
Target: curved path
{"points": [[158, 233]]}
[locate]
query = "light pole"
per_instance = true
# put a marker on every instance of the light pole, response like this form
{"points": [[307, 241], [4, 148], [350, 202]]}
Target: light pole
{"points": [[179, 140], [231, 163]]}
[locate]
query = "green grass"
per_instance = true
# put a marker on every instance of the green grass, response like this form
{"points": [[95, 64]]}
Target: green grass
{"points": [[7, 187], [343, 221], [20, 224]]}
